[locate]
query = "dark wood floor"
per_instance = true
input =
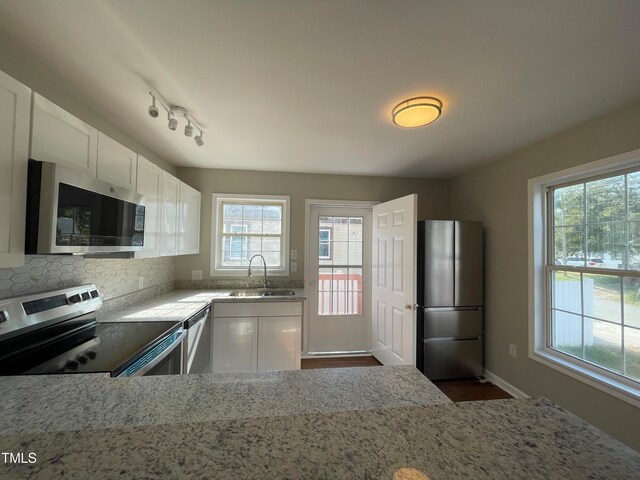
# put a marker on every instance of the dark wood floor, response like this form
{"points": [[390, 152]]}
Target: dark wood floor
{"points": [[457, 390]]}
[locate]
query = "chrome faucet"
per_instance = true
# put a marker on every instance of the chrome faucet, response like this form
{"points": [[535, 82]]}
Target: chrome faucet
{"points": [[264, 262]]}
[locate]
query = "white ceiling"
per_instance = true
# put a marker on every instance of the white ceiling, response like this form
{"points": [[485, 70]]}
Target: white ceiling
{"points": [[308, 86]]}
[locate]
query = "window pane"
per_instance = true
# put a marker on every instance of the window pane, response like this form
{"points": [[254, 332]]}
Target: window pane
{"points": [[355, 228], [633, 195], [340, 253], [566, 333], [272, 258], [569, 246], [567, 292], [272, 212], [230, 259], [355, 253], [602, 298], [271, 244], [232, 211], [252, 225], [254, 244], [324, 235], [355, 279], [632, 352], [355, 303], [252, 212], [603, 344], [341, 228], [324, 250], [632, 302], [606, 200], [606, 245], [324, 303], [568, 205], [324, 279], [272, 227]]}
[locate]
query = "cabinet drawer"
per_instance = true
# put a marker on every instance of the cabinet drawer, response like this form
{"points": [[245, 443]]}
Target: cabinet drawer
{"points": [[454, 323], [453, 359], [257, 309]]}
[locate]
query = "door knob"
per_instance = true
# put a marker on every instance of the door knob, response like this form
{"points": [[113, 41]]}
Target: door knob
{"points": [[409, 306]]}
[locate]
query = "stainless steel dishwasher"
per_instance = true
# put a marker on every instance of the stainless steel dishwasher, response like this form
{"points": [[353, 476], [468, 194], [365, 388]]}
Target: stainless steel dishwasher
{"points": [[197, 344]]}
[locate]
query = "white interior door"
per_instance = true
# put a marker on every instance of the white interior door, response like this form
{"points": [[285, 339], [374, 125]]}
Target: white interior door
{"points": [[339, 319], [393, 292]]}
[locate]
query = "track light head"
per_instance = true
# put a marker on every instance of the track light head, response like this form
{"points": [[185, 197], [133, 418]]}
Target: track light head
{"points": [[188, 129], [153, 110], [173, 123], [198, 139]]}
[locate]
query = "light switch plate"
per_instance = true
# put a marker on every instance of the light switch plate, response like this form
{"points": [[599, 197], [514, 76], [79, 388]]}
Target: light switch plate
{"points": [[196, 274], [512, 350], [294, 266], [294, 254]]}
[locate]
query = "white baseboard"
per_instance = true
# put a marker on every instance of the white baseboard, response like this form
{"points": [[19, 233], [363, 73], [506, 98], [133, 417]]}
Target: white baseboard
{"points": [[504, 385]]}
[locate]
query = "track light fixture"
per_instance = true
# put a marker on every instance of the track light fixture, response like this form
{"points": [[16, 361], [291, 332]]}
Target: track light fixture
{"points": [[198, 139], [153, 110], [174, 111]]}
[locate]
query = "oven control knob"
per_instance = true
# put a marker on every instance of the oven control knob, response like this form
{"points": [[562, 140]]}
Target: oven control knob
{"points": [[91, 354], [75, 298], [82, 359], [72, 364]]}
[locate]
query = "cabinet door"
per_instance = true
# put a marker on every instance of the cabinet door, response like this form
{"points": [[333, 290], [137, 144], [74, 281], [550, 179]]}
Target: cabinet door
{"points": [[169, 214], [116, 163], [189, 220], [235, 344], [59, 137], [15, 103], [279, 343], [149, 185]]}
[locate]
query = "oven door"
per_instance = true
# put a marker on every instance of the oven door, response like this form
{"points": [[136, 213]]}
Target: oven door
{"points": [[163, 358]]}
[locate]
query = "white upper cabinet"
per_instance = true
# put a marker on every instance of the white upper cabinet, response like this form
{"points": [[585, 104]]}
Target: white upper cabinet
{"points": [[15, 105], [149, 185], [170, 193], [189, 220], [59, 137], [116, 163]]}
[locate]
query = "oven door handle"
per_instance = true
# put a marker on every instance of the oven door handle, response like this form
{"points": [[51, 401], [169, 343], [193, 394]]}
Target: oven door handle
{"points": [[177, 342]]}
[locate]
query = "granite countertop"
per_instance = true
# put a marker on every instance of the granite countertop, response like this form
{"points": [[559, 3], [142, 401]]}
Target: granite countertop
{"points": [[78, 402], [500, 439], [178, 305]]}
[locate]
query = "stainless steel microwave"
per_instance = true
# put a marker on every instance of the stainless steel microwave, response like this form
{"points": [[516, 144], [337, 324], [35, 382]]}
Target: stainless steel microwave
{"points": [[70, 212]]}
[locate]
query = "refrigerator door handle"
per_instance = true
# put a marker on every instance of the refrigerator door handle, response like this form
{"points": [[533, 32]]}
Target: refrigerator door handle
{"points": [[452, 309]]}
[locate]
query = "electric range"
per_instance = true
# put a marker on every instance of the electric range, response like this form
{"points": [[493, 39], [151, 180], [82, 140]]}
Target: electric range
{"points": [[57, 332]]}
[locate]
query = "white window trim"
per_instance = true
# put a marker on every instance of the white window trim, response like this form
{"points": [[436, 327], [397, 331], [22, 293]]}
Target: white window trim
{"points": [[216, 239], [537, 224]]}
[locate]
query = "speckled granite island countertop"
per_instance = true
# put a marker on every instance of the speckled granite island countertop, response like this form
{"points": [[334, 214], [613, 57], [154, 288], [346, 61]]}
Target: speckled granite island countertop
{"points": [[500, 439], [51, 403]]}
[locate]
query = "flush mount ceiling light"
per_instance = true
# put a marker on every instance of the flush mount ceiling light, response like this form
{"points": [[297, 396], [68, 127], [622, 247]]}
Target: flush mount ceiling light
{"points": [[416, 112], [174, 111]]}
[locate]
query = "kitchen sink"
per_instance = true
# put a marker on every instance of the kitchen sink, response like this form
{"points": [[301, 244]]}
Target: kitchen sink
{"points": [[262, 292]]}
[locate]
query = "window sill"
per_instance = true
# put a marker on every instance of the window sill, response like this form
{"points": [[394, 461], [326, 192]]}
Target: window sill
{"points": [[592, 378], [242, 272]]}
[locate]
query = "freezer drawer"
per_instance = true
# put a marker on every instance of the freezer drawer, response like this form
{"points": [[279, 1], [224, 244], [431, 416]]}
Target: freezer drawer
{"points": [[452, 323], [453, 358]]}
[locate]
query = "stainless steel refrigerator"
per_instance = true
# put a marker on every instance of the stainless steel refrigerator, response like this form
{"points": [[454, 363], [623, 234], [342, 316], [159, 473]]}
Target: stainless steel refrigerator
{"points": [[450, 299]]}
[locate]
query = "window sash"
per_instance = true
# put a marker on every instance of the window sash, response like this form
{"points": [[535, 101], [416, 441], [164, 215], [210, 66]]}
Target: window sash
{"points": [[621, 274], [218, 255]]}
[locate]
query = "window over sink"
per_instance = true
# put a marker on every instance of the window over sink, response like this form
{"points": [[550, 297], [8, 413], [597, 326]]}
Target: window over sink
{"points": [[248, 225]]}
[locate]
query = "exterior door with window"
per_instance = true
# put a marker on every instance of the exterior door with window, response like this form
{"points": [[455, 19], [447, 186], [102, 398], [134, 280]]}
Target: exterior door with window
{"points": [[339, 293]]}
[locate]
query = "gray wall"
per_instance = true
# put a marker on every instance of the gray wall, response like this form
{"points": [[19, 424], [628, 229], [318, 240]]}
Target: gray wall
{"points": [[433, 201], [497, 194], [48, 85]]}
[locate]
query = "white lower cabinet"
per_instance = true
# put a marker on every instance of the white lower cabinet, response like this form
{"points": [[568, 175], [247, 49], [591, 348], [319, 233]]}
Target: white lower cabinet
{"points": [[256, 337]]}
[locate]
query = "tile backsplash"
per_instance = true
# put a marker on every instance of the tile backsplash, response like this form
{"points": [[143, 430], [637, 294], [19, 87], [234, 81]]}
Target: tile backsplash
{"points": [[115, 278]]}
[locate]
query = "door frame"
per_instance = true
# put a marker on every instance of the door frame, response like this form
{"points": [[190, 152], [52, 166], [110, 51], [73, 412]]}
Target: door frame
{"points": [[308, 204]]}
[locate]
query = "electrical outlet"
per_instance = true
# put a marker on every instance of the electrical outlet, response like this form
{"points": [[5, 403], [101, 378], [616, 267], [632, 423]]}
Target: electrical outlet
{"points": [[196, 274], [512, 350], [294, 266], [140, 282], [294, 254]]}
